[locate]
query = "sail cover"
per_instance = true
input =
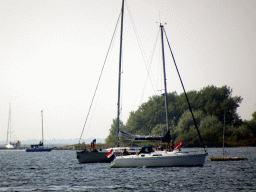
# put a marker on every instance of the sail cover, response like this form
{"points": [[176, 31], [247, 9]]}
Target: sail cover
{"points": [[123, 135]]}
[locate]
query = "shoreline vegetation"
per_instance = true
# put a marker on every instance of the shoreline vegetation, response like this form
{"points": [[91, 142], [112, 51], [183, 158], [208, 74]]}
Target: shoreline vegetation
{"points": [[73, 147], [215, 112], [104, 146], [214, 109]]}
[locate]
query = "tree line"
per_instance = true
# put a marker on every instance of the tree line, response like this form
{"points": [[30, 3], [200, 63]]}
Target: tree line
{"points": [[213, 108]]}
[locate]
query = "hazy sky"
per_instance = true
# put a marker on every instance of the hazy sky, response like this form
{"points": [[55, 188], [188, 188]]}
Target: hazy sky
{"points": [[52, 52]]}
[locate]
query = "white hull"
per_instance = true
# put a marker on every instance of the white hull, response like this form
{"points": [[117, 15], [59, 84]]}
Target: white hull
{"points": [[160, 159], [9, 146]]}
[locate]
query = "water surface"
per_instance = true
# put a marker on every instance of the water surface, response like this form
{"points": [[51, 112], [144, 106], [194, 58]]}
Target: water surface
{"points": [[60, 171]]}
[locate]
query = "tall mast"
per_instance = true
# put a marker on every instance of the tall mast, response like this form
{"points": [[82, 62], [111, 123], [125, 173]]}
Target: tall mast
{"points": [[42, 126], [9, 125], [119, 76], [224, 131], [165, 87]]}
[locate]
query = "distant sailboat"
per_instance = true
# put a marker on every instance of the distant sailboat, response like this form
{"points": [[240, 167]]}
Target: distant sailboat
{"points": [[223, 158], [10, 145], [40, 146]]}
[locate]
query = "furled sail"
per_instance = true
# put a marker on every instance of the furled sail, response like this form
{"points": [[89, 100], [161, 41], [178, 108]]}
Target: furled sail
{"points": [[123, 135]]}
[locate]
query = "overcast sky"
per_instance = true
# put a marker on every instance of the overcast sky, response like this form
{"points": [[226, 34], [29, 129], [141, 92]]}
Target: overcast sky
{"points": [[52, 52]]}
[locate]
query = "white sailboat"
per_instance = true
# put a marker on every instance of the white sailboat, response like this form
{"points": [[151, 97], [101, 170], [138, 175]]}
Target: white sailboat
{"points": [[151, 158], [10, 144], [160, 159]]}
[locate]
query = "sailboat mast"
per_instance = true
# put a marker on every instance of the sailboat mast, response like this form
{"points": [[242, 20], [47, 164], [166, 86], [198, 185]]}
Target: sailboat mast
{"points": [[165, 87], [42, 126], [9, 125], [224, 130], [119, 75]]}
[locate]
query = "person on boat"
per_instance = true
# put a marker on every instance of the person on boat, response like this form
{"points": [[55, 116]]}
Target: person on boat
{"points": [[160, 148], [125, 152], [93, 143], [172, 145], [146, 149], [149, 150]]}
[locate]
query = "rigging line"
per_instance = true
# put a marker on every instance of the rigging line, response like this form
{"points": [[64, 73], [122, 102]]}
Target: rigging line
{"points": [[100, 76], [140, 47], [149, 68], [148, 75], [185, 92], [191, 141], [92, 113], [137, 36]]}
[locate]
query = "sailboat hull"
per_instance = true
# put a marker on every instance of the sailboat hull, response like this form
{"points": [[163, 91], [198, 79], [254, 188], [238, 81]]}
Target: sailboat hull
{"points": [[227, 158], [93, 157], [160, 159], [38, 150], [9, 146]]}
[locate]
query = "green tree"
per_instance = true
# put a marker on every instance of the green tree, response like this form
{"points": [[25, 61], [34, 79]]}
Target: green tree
{"points": [[111, 139], [254, 116], [242, 136], [211, 130], [186, 129], [251, 127], [152, 113], [209, 106], [215, 101], [159, 130]]}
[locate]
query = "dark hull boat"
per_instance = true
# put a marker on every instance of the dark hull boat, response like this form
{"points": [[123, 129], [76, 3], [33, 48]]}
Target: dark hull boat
{"points": [[96, 156], [93, 157], [40, 146], [39, 150]]}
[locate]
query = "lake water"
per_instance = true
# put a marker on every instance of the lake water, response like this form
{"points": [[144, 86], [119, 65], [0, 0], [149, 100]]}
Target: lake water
{"points": [[60, 171]]}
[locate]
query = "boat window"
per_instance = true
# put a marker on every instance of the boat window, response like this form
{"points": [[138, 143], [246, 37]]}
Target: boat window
{"points": [[142, 155], [157, 155]]}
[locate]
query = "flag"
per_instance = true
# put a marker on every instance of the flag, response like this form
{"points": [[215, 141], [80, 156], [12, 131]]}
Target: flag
{"points": [[110, 153], [178, 145]]}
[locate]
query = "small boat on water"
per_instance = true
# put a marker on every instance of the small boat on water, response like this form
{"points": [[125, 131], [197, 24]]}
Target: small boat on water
{"points": [[223, 158], [10, 144], [227, 158], [39, 147]]}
